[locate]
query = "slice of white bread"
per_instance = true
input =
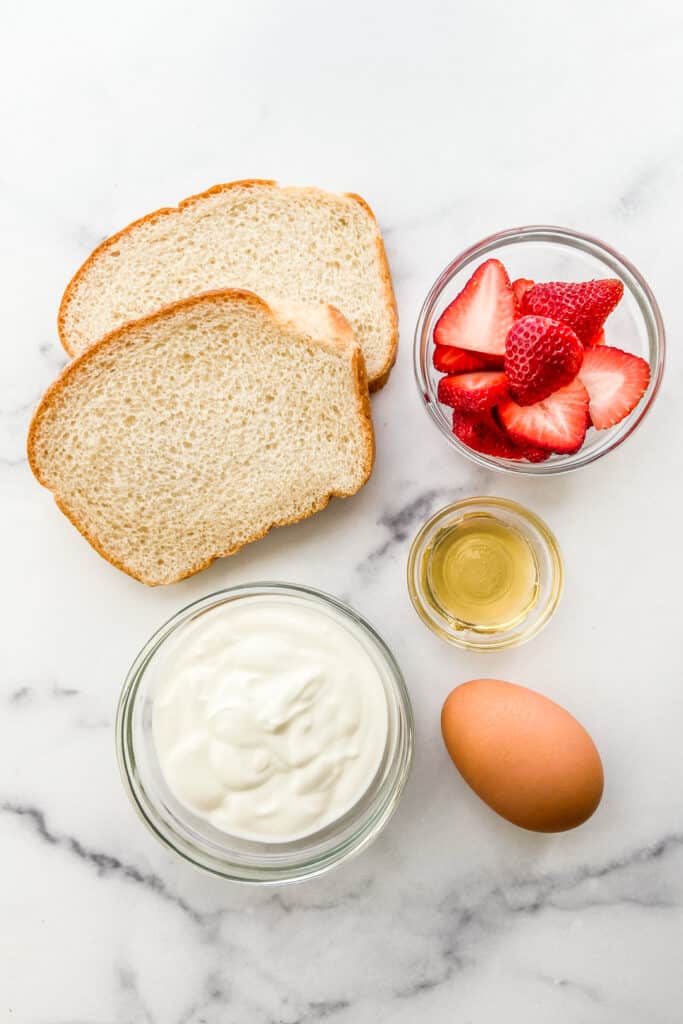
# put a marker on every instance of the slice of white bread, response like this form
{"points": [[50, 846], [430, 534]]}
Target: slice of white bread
{"points": [[282, 243], [183, 436]]}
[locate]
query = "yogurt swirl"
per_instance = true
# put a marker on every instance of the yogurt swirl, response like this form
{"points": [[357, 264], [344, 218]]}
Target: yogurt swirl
{"points": [[269, 718]]}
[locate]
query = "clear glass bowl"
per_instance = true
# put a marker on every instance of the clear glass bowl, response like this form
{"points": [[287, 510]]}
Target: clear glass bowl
{"points": [[548, 254], [549, 569], [246, 860]]}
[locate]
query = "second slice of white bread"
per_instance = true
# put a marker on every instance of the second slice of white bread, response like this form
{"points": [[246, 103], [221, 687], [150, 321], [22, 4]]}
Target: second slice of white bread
{"points": [[181, 437], [282, 243]]}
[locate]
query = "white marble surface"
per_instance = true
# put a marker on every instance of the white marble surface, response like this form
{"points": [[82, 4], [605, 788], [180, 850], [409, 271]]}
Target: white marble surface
{"points": [[453, 120]]}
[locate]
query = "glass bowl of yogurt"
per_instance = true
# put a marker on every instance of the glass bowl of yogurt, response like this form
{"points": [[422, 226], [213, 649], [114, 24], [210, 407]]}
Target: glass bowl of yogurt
{"points": [[265, 733]]}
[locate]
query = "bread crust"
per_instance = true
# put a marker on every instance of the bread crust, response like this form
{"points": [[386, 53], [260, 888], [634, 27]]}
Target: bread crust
{"points": [[381, 377], [343, 338], [378, 382]]}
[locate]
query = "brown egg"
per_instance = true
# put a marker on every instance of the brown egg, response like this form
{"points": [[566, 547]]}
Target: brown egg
{"points": [[524, 755]]}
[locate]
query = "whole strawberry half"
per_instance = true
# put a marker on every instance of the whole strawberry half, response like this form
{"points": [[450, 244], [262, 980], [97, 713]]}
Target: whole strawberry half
{"points": [[481, 432], [615, 382], [480, 317], [451, 359], [473, 391], [584, 306], [541, 356], [557, 424]]}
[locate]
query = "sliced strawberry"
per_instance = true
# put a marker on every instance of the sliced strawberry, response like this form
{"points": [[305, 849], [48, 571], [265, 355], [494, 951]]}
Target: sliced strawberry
{"points": [[541, 356], [491, 362], [473, 391], [535, 454], [557, 424], [481, 432], [520, 287], [615, 382], [480, 317], [528, 451], [451, 359], [583, 306], [596, 339]]}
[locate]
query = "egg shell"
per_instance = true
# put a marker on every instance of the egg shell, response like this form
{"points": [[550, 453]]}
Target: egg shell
{"points": [[522, 754]]}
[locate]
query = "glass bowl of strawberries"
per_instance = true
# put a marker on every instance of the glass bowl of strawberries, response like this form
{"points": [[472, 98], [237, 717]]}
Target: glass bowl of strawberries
{"points": [[539, 350]]}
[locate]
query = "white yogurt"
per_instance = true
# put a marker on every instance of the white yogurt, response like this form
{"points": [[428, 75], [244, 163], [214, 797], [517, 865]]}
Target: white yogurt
{"points": [[269, 717]]}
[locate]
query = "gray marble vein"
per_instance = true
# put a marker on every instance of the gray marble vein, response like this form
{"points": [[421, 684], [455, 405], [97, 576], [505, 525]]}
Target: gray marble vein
{"points": [[104, 864]]}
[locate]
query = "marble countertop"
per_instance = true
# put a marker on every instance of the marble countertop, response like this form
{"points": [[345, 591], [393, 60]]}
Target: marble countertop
{"points": [[453, 120]]}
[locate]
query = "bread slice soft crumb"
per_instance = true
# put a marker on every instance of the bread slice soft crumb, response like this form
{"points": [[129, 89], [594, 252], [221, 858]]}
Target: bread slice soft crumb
{"points": [[181, 437], [282, 243]]}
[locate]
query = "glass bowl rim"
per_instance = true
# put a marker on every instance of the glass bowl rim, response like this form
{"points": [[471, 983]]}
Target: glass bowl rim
{"points": [[550, 543], [573, 239], [305, 866]]}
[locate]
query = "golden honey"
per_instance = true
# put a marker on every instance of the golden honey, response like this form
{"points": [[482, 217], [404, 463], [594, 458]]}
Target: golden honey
{"points": [[481, 573]]}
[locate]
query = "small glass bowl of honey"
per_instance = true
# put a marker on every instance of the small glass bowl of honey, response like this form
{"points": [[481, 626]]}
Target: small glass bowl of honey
{"points": [[485, 574]]}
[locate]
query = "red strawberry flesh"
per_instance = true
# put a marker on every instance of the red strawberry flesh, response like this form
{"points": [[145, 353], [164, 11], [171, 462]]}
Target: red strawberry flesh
{"points": [[484, 434], [541, 356], [615, 382], [557, 424], [480, 317], [584, 306], [520, 287], [481, 433], [450, 359], [473, 391], [491, 362], [535, 454], [596, 339]]}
